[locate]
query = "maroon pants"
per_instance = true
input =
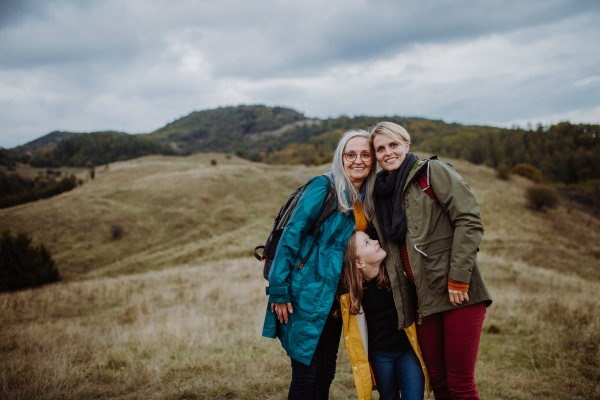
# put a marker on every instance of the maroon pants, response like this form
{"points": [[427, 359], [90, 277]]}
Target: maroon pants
{"points": [[449, 342]]}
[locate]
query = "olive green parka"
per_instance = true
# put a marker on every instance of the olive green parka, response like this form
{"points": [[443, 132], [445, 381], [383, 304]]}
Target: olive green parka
{"points": [[442, 239]]}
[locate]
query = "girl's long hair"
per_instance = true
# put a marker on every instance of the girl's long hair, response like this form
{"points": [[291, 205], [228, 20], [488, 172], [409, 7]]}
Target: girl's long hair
{"points": [[352, 280]]}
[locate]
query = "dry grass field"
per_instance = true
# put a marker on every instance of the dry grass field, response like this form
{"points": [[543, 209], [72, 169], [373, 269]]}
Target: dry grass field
{"points": [[174, 308]]}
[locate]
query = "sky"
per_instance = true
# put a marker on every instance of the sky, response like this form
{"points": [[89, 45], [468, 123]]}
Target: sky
{"points": [[136, 65]]}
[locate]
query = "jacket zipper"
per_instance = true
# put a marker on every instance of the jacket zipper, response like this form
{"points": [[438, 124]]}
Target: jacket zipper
{"points": [[420, 319], [419, 313], [400, 287]]}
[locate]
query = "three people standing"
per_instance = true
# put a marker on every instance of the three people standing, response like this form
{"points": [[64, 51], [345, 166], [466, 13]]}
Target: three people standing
{"points": [[427, 221]]}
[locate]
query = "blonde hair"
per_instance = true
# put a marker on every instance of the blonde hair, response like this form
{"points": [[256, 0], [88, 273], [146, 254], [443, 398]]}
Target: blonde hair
{"points": [[394, 131]]}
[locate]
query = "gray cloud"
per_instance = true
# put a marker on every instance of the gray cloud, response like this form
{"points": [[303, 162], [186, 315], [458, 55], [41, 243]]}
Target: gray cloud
{"points": [[138, 64]]}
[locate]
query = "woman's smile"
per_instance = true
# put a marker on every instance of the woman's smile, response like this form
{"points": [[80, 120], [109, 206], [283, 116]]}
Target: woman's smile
{"points": [[389, 152], [357, 160]]}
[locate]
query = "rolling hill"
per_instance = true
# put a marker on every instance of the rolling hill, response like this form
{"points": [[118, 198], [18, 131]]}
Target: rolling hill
{"points": [[227, 129], [46, 142], [564, 152], [174, 308]]}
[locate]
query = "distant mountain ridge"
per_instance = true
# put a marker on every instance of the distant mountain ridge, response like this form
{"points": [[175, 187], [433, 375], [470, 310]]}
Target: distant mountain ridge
{"points": [[222, 129], [225, 128], [45, 142], [564, 152]]}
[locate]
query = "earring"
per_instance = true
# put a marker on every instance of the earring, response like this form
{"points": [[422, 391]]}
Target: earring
{"points": [[364, 269]]}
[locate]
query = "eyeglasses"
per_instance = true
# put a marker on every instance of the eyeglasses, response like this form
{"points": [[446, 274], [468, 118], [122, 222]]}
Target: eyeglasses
{"points": [[351, 156]]}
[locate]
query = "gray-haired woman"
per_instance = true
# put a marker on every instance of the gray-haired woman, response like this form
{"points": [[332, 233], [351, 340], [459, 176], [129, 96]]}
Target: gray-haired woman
{"points": [[301, 297]]}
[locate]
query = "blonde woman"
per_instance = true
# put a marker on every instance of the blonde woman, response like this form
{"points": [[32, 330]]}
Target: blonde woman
{"points": [[429, 223]]}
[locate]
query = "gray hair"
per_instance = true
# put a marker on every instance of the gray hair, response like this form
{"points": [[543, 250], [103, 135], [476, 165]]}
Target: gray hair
{"points": [[343, 183]]}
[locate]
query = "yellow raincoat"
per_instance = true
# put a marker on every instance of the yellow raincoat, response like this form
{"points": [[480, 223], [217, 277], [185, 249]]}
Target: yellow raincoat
{"points": [[355, 338]]}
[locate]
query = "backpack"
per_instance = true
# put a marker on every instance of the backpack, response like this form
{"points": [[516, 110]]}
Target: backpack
{"points": [[283, 217], [424, 181]]}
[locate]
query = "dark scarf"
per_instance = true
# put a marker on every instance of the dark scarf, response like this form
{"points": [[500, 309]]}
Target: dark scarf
{"points": [[388, 186]]}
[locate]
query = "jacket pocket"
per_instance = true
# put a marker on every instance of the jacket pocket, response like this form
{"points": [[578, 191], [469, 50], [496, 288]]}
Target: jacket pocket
{"points": [[436, 247], [435, 257], [300, 276]]}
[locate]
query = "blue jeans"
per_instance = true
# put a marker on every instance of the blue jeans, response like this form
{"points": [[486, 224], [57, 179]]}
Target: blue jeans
{"points": [[397, 371]]}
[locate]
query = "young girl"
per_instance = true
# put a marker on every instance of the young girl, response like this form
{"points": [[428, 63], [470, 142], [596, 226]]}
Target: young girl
{"points": [[366, 300]]}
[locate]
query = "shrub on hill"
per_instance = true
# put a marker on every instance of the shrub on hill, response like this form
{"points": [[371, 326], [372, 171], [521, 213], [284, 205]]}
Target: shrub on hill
{"points": [[98, 148], [540, 196], [15, 190], [116, 231], [23, 265], [528, 171], [587, 194], [503, 172]]}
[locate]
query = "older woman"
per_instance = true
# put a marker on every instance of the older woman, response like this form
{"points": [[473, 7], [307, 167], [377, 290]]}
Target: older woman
{"points": [[301, 296]]}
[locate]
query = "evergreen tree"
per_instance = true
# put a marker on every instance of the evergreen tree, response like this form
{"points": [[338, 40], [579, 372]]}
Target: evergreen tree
{"points": [[23, 265]]}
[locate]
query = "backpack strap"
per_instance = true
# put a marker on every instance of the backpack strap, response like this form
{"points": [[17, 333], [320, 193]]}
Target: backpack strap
{"points": [[329, 207], [275, 222], [259, 258], [425, 182]]}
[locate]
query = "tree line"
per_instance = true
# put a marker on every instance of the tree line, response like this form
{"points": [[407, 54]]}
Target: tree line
{"points": [[564, 152], [15, 190], [98, 148]]}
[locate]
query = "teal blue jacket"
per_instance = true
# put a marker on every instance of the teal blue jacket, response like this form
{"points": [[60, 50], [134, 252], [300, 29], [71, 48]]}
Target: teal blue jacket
{"points": [[312, 288]]}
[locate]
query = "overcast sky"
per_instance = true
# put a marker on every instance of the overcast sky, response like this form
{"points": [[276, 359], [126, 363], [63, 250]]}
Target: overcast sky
{"points": [[135, 65]]}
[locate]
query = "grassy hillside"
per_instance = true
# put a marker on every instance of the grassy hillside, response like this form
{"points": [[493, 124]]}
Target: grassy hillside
{"points": [[174, 309], [172, 210]]}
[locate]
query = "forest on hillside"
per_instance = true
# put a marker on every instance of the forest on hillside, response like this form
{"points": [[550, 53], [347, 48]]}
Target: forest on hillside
{"points": [[15, 190], [565, 152], [98, 148], [225, 129]]}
